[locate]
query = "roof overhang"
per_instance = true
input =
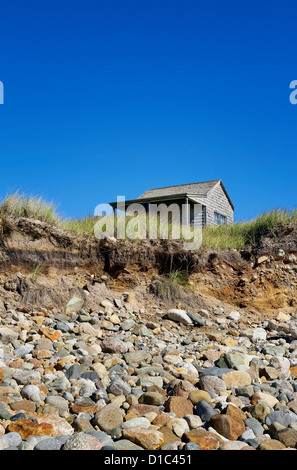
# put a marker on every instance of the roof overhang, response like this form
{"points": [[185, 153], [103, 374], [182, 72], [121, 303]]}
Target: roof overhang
{"points": [[145, 200]]}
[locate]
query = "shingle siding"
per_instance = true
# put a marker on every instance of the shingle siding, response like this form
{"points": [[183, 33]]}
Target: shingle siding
{"points": [[217, 201]]}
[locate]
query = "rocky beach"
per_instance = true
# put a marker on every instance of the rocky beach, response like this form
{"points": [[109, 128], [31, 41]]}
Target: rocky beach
{"points": [[118, 378], [94, 357]]}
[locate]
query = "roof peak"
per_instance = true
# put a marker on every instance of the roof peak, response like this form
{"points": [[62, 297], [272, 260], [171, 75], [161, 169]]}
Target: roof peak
{"points": [[185, 184]]}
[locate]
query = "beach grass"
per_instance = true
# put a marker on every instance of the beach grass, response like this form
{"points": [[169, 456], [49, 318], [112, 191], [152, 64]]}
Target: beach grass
{"points": [[234, 236]]}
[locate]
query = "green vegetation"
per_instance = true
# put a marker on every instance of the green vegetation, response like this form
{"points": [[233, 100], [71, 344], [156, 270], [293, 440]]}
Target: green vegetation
{"points": [[247, 233], [226, 236], [83, 226], [178, 276], [36, 271], [19, 205]]}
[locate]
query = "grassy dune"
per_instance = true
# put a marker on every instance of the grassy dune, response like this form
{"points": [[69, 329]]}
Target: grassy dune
{"points": [[247, 233], [19, 205], [228, 236]]}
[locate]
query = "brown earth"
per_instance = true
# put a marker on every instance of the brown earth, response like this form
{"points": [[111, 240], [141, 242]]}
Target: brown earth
{"points": [[44, 265]]}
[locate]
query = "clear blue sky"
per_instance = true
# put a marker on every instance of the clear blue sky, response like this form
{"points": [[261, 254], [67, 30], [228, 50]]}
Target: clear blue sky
{"points": [[113, 97]]}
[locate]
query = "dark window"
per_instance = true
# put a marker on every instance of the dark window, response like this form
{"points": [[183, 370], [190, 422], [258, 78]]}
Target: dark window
{"points": [[219, 219]]}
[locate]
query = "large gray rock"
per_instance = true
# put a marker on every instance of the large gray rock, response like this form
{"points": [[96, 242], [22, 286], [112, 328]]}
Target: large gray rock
{"points": [[136, 356], [22, 351], [26, 377], [141, 330], [125, 444], [179, 316], [204, 410], [50, 443], [234, 315], [140, 422], [12, 439], [74, 305], [128, 325], [255, 425], [284, 417], [7, 335], [74, 372], [31, 442], [119, 387], [212, 384], [60, 403], [282, 365], [195, 319]]}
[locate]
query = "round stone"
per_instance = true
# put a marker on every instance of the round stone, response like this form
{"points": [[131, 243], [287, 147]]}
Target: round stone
{"points": [[12, 439], [271, 444], [49, 444], [196, 395], [113, 346], [109, 418], [82, 441], [31, 392]]}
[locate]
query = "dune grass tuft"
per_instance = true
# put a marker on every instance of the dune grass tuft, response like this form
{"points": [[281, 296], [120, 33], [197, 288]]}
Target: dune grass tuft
{"points": [[20, 205]]}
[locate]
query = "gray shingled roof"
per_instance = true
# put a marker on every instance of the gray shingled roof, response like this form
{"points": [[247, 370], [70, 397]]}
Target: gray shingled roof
{"points": [[192, 189], [200, 189]]}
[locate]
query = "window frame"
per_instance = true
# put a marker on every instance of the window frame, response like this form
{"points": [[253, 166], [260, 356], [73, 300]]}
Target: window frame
{"points": [[225, 220], [218, 216]]}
